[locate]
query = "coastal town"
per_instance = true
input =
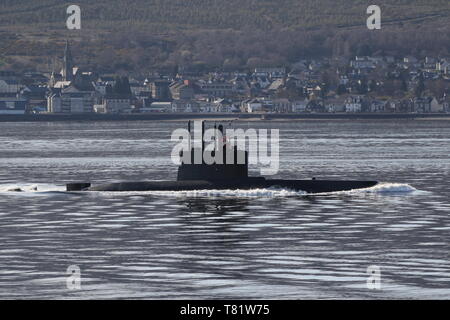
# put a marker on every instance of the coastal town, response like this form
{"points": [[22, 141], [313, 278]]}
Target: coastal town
{"points": [[361, 84]]}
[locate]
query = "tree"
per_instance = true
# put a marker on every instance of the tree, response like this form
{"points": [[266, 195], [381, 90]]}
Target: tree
{"points": [[122, 87], [363, 50], [404, 86], [341, 89], [420, 87], [437, 87]]}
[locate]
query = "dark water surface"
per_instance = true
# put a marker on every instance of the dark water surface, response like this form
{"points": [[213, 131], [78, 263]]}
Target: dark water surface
{"points": [[272, 244]]}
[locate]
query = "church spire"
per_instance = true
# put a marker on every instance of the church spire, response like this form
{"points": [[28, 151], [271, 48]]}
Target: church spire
{"points": [[67, 71]]}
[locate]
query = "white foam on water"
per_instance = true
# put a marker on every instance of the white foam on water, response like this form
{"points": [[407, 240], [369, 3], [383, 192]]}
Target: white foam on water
{"points": [[23, 188], [384, 188], [228, 193], [381, 188]]}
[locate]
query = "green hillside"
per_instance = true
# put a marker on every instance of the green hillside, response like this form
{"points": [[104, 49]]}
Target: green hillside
{"points": [[136, 34]]}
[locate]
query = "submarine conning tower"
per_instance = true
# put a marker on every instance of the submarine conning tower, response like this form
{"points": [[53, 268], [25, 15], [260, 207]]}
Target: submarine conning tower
{"points": [[222, 167], [230, 162]]}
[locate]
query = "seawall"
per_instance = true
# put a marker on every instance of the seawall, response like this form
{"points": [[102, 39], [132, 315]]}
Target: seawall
{"points": [[219, 116]]}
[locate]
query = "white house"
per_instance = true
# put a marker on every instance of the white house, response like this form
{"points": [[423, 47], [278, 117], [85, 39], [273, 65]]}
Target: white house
{"points": [[71, 100], [158, 107], [114, 105], [353, 104]]}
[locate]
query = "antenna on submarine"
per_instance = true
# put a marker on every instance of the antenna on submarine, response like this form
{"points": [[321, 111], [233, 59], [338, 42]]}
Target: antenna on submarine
{"points": [[203, 137], [189, 130], [215, 135], [222, 136]]}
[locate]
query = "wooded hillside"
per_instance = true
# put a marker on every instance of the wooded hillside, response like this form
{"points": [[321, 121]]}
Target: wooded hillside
{"points": [[143, 34]]}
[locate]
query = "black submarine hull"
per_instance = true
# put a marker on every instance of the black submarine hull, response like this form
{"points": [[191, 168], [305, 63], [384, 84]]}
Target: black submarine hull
{"points": [[309, 186], [229, 170]]}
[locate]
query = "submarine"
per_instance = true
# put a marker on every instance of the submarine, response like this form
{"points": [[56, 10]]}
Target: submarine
{"points": [[221, 175]]}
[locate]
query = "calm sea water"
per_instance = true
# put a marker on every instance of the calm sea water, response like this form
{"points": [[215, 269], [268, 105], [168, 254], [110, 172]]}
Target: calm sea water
{"points": [[271, 244]]}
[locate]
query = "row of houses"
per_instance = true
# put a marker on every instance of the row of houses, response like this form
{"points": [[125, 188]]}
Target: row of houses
{"points": [[364, 104], [429, 64], [351, 104], [303, 88], [188, 106]]}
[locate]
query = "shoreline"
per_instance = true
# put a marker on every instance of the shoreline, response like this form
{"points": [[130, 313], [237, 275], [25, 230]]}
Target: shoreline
{"points": [[222, 117]]}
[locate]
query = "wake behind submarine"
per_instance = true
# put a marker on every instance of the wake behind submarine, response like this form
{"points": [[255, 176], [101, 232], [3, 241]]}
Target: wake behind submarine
{"points": [[221, 176]]}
